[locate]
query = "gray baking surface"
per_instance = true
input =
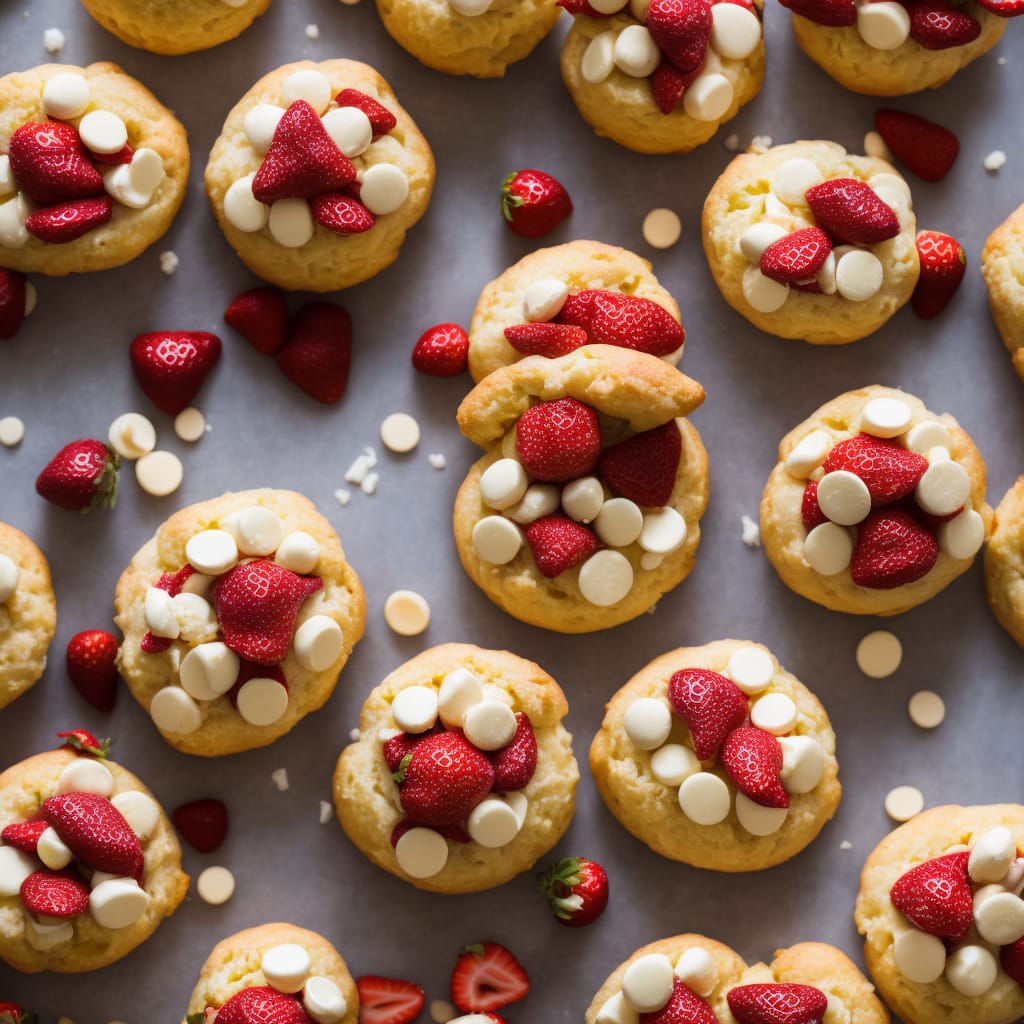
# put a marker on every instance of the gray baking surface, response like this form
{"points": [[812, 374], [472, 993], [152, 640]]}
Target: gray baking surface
{"points": [[67, 375]]}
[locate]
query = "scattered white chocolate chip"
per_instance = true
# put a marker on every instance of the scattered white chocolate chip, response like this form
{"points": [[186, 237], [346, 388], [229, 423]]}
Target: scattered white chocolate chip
{"points": [[290, 222], [883, 25], [879, 654], [407, 612], [993, 853], [994, 161], [159, 473], [132, 435], [15, 867], [808, 454], [619, 522], [169, 262], [762, 293], [503, 483], [673, 763], [323, 1000], [145, 171], [759, 236], [904, 803], [751, 669], [342, 497], [53, 851], [86, 775], [828, 548], [140, 811], [215, 885], [313, 33], [349, 129], [972, 970], [421, 852], [103, 132], [286, 967], [606, 578], [53, 40], [279, 777], [774, 713], [583, 498], [731, 142], [662, 227], [174, 711], [369, 484], [663, 531], [648, 982], [709, 96], [400, 432], [66, 95], [197, 621], [704, 798], [242, 209], [460, 690], [751, 535], [118, 902], [539, 500], [12, 431], [758, 820], [470, 8], [962, 537], [792, 180], [310, 85], [803, 763], [437, 460], [635, 52], [920, 957], [384, 189], [318, 643], [326, 812], [190, 424], [927, 709], [844, 497], [545, 297], [874, 146], [8, 187], [648, 722], [211, 551], [650, 561], [489, 724], [261, 700], [414, 708], [298, 551], [859, 275], [492, 823], [497, 540], [13, 215]]}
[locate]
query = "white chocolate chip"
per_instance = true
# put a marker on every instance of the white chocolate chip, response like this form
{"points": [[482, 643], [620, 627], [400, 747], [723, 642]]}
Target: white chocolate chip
{"points": [[635, 52], [844, 497], [886, 417], [1000, 919], [883, 25], [262, 700], [972, 970], [762, 293], [257, 531], [803, 763], [65, 96], [318, 643], [962, 537], [489, 724], [290, 223], [859, 275], [778, 212], [662, 227], [994, 161], [927, 709], [209, 670], [944, 488], [9, 575], [286, 967], [650, 561], [619, 522], [12, 431], [583, 498], [279, 777], [299, 552], [709, 96], [648, 722], [400, 432], [904, 803], [407, 612], [751, 669], [920, 957], [792, 180], [259, 125], [174, 711], [215, 885], [735, 31], [384, 189], [606, 578], [414, 709], [879, 654], [310, 85], [350, 130], [15, 867], [146, 171], [496, 540], [664, 531], [924, 436], [159, 473], [421, 852], [826, 275], [158, 610], [492, 823], [326, 810], [54, 852], [648, 982], [758, 820], [118, 902], [543, 299], [503, 483], [614, 1011], [442, 1012], [539, 500], [673, 763], [323, 1001], [132, 435], [775, 713], [808, 454], [197, 620], [8, 186], [211, 551], [697, 969], [140, 811], [704, 798], [103, 132], [994, 851], [828, 548], [117, 180], [242, 209], [86, 775], [190, 424], [760, 234], [471, 8], [460, 690], [13, 215]]}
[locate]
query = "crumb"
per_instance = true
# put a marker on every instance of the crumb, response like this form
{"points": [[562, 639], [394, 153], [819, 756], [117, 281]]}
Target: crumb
{"points": [[361, 465], [369, 484], [846, 845], [1000, 60], [437, 460], [354, 735], [326, 812], [732, 142], [280, 779], [751, 533], [312, 31], [342, 497], [53, 40], [994, 161], [759, 142], [169, 262]]}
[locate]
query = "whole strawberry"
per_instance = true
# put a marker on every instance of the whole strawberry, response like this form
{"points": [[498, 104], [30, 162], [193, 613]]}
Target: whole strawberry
{"points": [[892, 549], [774, 1003], [442, 351], [577, 889], [559, 544], [936, 896], [627, 321], [317, 355], [12, 302], [515, 763], [12, 1013], [644, 467], [888, 470], [55, 893], [533, 203], [558, 440], [261, 1004], [171, 366], [924, 147], [260, 315], [443, 779], [710, 704], [203, 824], [91, 664], [943, 265], [81, 476], [1005, 9], [83, 741], [50, 163], [95, 831]]}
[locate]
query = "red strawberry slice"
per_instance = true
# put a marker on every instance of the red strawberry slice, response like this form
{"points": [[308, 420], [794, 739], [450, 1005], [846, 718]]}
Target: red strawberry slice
{"points": [[174, 582], [171, 366], [262, 1004], [710, 704], [55, 893], [889, 471], [833, 13], [777, 1004], [154, 644], [644, 467], [95, 831], [1004, 8], [318, 353], [580, 7], [256, 604], [926, 148], [122, 156], [681, 29], [83, 742], [396, 747], [260, 315], [82, 476], [302, 160], [546, 339], [752, 758], [50, 163], [936, 896], [558, 440], [611, 318], [12, 302], [203, 824], [684, 1006], [943, 264], [91, 665], [810, 510], [382, 120], [851, 212], [936, 25], [559, 544], [487, 977], [515, 763], [341, 214], [797, 256], [1011, 959], [892, 549], [388, 1000], [24, 835], [67, 221], [445, 778], [442, 351], [668, 84]]}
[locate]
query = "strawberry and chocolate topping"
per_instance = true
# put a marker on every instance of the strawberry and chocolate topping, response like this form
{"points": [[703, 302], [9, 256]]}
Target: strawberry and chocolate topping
{"points": [[659, 989]]}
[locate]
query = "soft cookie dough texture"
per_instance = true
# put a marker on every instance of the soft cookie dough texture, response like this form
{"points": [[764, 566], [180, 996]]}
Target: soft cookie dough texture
{"points": [[1004, 562], [150, 124], [737, 201], [328, 261], [175, 26], [234, 964], [365, 796], [580, 265], [1002, 266], [28, 617], [23, 788], [923, 838], [223, 730]]}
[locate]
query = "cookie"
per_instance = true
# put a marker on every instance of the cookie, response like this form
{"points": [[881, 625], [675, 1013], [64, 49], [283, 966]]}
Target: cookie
{"points": [[175, 26], [1004, 562], [694, 978], [875, 505], [28, 613], [535, 290], [93, 168], [632, 85], [830, 276], [1002, 266], [942, 917], [238, 616], [262, 972], [468, 37], [110, 894], [495, 720], [586, 507], [317, 175], [672, 758]]}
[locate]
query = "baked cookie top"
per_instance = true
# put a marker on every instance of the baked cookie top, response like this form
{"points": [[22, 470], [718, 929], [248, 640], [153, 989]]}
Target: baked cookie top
{"points": [[1002, 266], [237, 617], [1004, 562]]}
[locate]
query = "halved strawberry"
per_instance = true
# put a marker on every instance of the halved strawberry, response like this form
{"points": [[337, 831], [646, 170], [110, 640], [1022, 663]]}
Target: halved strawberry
{"points": [[710, 704], [64, 222], [171, 366], [388, 1000], [55, 893], [203, 824], [382, 120], [889, 471], [833, 13], [559, 544], [546, 339], [24, 835], [341, 213], [943, 264], [892, 549], [50, 164], [515, 763], [487, 977], [810, 510], [260, 315], [261, 1004], [851, 212], [752, 758], [318, 351], [628, 321], [668, 84], [12, 302], [1011, 959], [936, 25], [95, 831], [926, 148], [684, 1006], [936, 896], [644, 467], [796, 257], [558, 440], [775, 1003]]}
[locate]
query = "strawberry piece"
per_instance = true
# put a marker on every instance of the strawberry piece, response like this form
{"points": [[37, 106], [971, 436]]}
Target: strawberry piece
{"points": [[302, 160], [171, 366], [154, 644], [546, 339], [611, 318], [203, 824], [396, 748], [892, 549], [889, 471], [580, 7], [797, 256], [684, 1006], [810, 510], [95, 831], [81, 476], [50, 163], [55, 893], [533, 203], [1011, 959], [1004, 8], [91, 664], [515, 763], [487, 977], [577, 889], [174, 582], [682, 30], [668, 84], [710, 704], [936, 896], [936, 25], [752, 758], [122, 156], [388, 1000], [67, 221], [260, 315], [850, 211], [256, 604], [445, 778], [12, 302], [774, 1003], [83, 741], [558, 440], [644, 467], [559, 544], [943, 264], [12, 1013], [442, 351], [382, 120], [317, 355], [341, 214], [24, 835], [262, 1004], [833, 13], [924, 147]]}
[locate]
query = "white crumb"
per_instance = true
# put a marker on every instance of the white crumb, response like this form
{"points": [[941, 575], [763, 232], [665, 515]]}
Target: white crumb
{"points": [[994, 161], [169, 262], [342, 497], [53, 40], [1000, 60], [846, 845], [354, 735], [369, 484], [761, 142], [312, 31], [732, 142], [751, 533], [280, 779], [326, 812], [437, 460]]}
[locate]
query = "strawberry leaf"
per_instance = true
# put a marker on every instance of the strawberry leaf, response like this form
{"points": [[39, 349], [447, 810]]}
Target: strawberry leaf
{"points": [[403, 767]]}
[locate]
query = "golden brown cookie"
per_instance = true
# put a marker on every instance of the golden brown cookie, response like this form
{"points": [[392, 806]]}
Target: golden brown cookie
{"points": [[120, 209], [586, 451], [304, 233], [103, 922], [1002, 266], [237, 616], [28, 613], [938, 957], [868, 546], [284, 963], [512, 744], [1004, 562], [759, 199], [679, 791]]}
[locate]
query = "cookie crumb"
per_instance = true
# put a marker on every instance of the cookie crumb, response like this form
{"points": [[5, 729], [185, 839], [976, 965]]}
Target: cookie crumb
{"points": [[927, 709], [1000, 60], [312, 31], [760, 142], [751, 532], [437, 460], [441, 1011], [904, 803], [846, 845], [53, 40], [731, 142], [369, 484], [879, 654], [215, 885], [994, 161], [361, 465], [326, 812], [353, 735], [169, 262], [342, 497], [279, 777], [12, 430]]}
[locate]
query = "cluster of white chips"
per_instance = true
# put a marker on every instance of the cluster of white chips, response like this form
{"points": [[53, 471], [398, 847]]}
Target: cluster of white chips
{"points": [[704, 796]]}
